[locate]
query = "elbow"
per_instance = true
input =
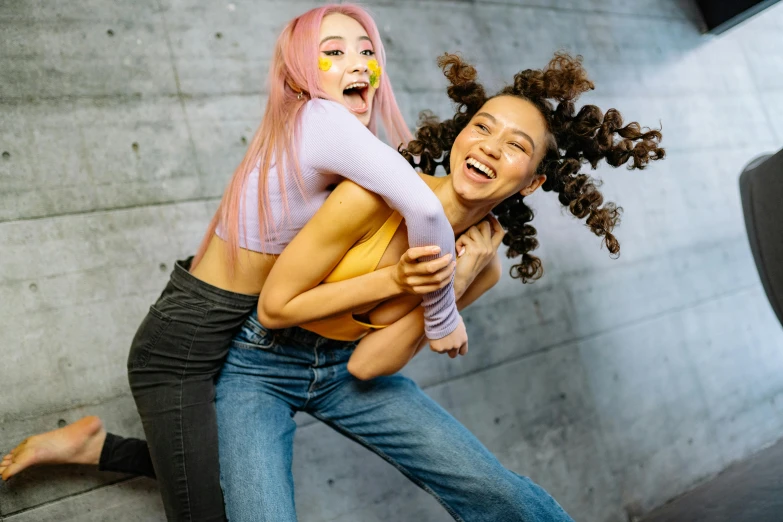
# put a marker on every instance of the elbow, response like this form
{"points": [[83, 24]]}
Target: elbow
{"points": [[433, 211], [427, 208], [269, 316]]}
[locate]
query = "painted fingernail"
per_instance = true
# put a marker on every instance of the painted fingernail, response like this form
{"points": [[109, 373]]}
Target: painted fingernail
{"points": [[461, 252]]}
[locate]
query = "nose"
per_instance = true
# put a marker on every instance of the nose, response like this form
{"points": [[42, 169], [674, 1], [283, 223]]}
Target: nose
{"points": [[359, 66], [358, 63], [490, 147]]}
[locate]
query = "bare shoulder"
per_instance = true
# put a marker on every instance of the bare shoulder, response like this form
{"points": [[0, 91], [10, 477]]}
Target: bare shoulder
{"points": [[360, 202]]}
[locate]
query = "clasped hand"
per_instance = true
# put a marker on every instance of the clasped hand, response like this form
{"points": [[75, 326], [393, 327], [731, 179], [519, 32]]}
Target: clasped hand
{"points": [[475, 249]]}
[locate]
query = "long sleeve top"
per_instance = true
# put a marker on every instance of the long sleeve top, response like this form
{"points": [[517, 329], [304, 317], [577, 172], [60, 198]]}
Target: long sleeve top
{"points": [[333, 144]]}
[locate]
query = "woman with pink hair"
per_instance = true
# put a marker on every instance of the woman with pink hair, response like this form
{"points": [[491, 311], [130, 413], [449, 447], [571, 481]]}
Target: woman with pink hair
{"points": [[328, 92]]}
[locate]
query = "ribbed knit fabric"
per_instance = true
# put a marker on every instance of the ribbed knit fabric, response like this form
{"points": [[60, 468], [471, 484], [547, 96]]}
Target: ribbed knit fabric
{"points": [[333, 144]]}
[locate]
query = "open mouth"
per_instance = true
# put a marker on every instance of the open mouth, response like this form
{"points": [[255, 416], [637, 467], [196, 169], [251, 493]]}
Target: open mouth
{"points": [[355, 96], [480, 169]]}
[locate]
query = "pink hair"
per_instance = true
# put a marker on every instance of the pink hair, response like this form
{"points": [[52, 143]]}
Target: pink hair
{"points": [[294, 70]]}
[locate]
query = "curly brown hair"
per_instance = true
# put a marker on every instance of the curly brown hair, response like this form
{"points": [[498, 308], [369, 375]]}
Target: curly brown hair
{"points": [[574, 138]]}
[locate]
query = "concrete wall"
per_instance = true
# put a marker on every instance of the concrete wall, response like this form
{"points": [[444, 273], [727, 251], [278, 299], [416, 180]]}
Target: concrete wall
{"points": [[616, 384]]}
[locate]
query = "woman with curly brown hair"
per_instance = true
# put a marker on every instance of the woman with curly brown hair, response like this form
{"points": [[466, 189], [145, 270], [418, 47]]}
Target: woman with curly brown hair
{"points": [[498, 150], [342, 370]]}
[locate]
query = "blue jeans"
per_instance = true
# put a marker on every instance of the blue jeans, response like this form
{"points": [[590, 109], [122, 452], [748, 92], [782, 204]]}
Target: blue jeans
{"points": [[271, 374]]}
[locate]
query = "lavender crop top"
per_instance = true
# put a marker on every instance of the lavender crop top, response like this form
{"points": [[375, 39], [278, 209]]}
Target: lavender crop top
{"points": [[333, 144]]}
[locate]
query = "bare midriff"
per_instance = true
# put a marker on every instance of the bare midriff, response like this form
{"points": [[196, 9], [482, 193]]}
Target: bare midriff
{"points": [[249, 271]]}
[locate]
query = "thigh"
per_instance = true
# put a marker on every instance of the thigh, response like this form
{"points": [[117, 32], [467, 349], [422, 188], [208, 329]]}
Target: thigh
{"points": [[180, 425], [174, 360], [392, 417], [256, 432]]}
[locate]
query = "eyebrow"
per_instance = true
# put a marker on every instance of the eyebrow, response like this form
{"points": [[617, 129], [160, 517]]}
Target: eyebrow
{"points": [[514, 131], [341, 38]]}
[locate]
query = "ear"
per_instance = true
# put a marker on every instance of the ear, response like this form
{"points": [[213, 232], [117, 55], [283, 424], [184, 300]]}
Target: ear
{"points": [[537, 182]]}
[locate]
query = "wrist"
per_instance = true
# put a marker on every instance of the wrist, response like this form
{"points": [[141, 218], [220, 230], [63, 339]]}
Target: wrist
{"points": [[392, 287], [460, 285]]}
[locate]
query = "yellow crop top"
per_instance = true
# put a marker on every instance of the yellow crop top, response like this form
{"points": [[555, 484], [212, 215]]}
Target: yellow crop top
{"points": [[361, 259]]}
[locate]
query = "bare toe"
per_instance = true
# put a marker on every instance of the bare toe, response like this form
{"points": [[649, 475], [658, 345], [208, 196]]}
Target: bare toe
{"points": [[20, 447], [15, 467], [77, 443]]}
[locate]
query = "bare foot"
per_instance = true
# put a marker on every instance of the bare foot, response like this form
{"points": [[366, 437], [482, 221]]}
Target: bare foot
{"points": [[78, 443]]}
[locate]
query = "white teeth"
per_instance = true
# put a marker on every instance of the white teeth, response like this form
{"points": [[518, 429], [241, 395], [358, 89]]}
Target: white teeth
{"points": [[483, 168], [356, 85]]}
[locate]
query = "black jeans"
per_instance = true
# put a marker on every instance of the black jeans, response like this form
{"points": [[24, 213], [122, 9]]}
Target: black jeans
{"points": [[174, 359]]}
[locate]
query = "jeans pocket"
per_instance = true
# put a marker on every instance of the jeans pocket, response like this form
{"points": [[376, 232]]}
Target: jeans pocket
{"points": [[252, 340], [147, 336], [254, 335]]}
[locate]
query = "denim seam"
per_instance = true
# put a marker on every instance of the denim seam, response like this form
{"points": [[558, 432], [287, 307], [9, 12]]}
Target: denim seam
{"points": [[181, 440], [214, 300], [388, 459], [315, 379], [267, 338], [142, 357], [243, 345], [181, 303]]}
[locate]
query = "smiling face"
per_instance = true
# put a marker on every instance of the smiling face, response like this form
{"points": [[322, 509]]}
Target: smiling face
{"points": [[498, 152], [344, 50]]}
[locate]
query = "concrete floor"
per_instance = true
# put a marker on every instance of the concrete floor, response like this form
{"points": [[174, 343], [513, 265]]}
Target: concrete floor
{"points": [[749, 491], [616, 384]]}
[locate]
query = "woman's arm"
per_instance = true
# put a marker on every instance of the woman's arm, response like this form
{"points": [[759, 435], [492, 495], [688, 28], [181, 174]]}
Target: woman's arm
{"points": [[384, 352], [467, 290], [292, 293], [387, 351], [486, 279], [334, 141]]}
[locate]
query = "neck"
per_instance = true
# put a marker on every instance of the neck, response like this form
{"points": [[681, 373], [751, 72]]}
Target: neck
{"points": [[460, 214]]}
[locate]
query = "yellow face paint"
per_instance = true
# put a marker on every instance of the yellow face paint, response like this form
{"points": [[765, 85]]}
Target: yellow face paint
{"points": [[375, 73], [324, 63]]}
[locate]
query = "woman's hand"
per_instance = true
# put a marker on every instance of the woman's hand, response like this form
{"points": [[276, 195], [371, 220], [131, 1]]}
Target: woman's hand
{"points": [[475, 249], [456, 341], [422, 277]]}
